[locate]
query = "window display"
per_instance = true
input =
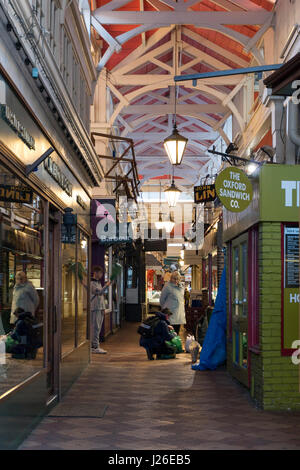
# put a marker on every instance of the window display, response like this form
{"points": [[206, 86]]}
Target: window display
{"points": [[21, 281]]}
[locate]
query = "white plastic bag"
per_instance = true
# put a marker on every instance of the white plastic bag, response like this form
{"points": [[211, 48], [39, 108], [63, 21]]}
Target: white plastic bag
{"points": [[188, 341]]}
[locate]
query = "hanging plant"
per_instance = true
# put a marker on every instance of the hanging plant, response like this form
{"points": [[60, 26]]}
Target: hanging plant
{"points": [[71, 268]]}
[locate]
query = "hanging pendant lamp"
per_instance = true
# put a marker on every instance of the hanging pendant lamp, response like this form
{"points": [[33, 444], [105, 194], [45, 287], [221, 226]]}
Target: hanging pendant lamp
{"points": [[172, 193], [159, 224], [175, 144], [169, 224]]}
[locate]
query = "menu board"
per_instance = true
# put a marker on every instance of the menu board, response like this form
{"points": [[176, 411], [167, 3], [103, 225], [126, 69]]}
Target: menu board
{"points": [[291, 257], [290, 287]]}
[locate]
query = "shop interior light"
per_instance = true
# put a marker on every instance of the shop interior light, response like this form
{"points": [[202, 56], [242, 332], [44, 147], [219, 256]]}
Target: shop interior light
{"points": [[252, 168]]}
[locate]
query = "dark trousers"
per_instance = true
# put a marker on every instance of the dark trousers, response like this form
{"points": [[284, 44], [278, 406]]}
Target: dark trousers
{"points": [[176, 328]]}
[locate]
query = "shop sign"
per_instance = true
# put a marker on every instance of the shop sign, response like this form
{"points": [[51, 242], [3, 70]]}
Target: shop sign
{"points": [[53, 169], [105, 227], [280, 193], [9, 193], [204, 193], [155, 245], [234, 189], [80, 202], [10, 118], [68, 234], [290, 286]]}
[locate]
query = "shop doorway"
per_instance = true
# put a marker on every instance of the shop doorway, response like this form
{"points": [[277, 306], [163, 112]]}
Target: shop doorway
{"points": [[239, 309], [52, 310]]}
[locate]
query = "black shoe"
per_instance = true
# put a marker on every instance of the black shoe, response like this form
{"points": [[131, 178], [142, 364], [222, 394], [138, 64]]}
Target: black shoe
{"points": [[149, 354]]}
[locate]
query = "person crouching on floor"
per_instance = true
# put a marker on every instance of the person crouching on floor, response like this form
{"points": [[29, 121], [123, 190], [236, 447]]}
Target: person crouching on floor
{"points": [[156, 344], [23, 333]]}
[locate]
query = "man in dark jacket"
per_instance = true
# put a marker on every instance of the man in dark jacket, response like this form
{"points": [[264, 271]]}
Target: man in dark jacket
{"points": [[156, 344]]}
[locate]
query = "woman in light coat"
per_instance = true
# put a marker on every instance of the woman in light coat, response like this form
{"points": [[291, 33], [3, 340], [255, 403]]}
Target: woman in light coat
{"points": [[24, 296], [172, 297]]}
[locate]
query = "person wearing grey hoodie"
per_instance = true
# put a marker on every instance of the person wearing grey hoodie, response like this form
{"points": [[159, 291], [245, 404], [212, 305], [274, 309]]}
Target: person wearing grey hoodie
{"points": [[24, 296]]}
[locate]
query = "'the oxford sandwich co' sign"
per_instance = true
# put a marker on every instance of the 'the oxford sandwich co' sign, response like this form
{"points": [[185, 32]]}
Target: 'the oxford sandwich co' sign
{"points": [[234, 189]]}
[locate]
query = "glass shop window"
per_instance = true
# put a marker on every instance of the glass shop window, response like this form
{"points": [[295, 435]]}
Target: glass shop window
{"points": [[68, 300], [74, 291], [82, 272], [21, 281]]}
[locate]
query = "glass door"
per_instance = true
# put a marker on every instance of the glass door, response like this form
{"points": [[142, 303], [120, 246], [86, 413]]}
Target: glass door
{"points": [[52, 310], [240, 308]]}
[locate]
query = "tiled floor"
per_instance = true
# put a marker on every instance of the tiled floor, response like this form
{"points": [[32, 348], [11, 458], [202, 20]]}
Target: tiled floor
{"points": [[125, 402]]}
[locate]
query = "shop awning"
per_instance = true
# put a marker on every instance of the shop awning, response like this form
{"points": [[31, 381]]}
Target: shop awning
{"points": [[152, 262], [281, 81]]}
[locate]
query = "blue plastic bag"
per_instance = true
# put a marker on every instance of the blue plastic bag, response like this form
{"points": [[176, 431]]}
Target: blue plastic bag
{"points": [[213, 352]]}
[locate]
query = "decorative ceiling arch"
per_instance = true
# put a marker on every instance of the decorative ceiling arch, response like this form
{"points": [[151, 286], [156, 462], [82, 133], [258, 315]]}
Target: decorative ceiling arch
{"points": [[147, 42]]}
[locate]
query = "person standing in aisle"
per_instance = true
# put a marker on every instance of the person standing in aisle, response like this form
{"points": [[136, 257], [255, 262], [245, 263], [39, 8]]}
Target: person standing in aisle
{"points": [[97, 307], [172, 297], [25, 296]]}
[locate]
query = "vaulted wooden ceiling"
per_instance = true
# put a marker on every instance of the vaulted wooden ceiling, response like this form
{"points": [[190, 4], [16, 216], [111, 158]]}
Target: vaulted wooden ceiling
{"points": [[145, 43]]}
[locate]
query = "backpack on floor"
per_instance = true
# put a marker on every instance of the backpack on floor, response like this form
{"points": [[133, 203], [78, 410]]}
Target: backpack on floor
{"points": [[146, 329]]}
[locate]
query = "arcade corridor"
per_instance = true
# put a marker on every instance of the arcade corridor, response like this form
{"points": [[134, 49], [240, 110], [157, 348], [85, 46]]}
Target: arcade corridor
{"points": [[123, 401]]}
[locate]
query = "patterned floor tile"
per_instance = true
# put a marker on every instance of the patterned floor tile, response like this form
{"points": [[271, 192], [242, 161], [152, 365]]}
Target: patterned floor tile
{"points": [[160, 405]]}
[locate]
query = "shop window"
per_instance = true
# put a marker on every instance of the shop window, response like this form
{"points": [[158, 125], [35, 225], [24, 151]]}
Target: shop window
{"points": [[68, 300], [82, 302], [74, 291], [290, 288], [22, 281], [253, 296]]}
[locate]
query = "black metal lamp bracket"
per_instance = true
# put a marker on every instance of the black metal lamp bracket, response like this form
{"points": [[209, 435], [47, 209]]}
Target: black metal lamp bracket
{"points": [[34, 165]]}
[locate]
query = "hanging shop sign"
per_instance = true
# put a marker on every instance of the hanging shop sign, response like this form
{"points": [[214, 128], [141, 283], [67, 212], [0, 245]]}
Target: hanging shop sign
{"points": [[10, 118], [53, 169], [155, 245], [68, 234], [106, 228], [9, 193], [204, 193], [234, 189], [290, 314]]}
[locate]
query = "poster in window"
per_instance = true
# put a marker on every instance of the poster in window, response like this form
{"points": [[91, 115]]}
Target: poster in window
{"points": [[290, 286]]}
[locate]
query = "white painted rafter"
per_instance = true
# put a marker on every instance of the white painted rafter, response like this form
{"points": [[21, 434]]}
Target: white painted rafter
{"points": [[148, 111], [196, 18]]}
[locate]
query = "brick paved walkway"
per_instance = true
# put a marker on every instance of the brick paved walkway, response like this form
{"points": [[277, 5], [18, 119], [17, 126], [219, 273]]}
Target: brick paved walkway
{"points": [[124, 402]]}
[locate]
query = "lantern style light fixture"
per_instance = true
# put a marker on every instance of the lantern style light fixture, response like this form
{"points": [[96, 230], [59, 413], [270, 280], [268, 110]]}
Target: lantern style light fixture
{"points": [[172, 193], [169, 224], [175, 144], [159, 224]]}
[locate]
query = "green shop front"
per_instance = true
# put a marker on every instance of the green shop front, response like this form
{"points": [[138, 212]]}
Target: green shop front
{"points": [[262, 260]]}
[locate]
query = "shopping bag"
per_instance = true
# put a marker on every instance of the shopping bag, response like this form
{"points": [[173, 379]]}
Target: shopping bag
{"points": [[176, 341], [10, 344], [188, 341]]}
